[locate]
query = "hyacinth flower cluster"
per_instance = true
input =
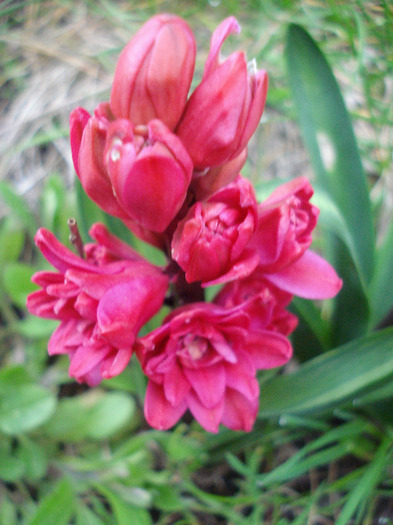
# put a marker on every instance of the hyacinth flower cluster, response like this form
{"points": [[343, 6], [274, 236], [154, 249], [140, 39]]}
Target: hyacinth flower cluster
{"points": [[167, 163]]}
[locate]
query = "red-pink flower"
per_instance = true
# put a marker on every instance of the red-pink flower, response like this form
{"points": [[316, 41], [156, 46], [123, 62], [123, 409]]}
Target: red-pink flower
{"points": [[225, 108], [209, 243], [154, 72], [137, 173], [101, 305], [285, 224], [263, 302], [286, 221], [204, 358]]}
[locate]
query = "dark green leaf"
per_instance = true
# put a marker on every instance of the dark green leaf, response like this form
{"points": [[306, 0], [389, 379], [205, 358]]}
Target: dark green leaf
{"points": [[331, 378], [330, 140]]}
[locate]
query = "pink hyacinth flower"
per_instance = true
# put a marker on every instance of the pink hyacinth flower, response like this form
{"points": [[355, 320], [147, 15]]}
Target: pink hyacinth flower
{"points": [[209, 243], [204, 358], [225, 108], [286, 221], [154, 72], [263, 302], [101, 305]]}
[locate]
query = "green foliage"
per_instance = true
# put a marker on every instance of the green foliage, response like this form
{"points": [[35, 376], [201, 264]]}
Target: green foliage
{"points": [[321, 448]]}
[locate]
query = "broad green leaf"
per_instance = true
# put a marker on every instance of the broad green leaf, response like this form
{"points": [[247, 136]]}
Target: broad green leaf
{"points": [[24, 407], [111, 413], [55, 508], [94, 415], [330, 140], [17, 282], [330, 379]]}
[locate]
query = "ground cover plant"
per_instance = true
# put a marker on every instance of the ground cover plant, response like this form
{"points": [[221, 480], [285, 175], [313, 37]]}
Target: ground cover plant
{"points": [[319, 450]]}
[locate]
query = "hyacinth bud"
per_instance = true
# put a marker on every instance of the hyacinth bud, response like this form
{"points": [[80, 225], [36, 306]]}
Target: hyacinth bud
{"points": [[154, 72], [209, 243], [225, 108], [137, 173], [88, 140], [150, 172]]}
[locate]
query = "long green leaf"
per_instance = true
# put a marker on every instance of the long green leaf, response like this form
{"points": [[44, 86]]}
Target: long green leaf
{"points": [[332, 378], [330, 140], [382, 284], [56, 507]]}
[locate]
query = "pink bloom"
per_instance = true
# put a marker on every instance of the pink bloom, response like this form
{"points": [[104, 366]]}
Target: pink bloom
{"points": [[154, 72], [101, 305], [285, 224], [139, 174], [205, 358], [225, 108], [263, 302], [209, 243], [286, 221]]}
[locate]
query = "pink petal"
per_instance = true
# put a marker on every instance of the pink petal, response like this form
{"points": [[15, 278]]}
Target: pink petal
{"points": [[100, 233], [239, 413], [227, 27], [57, 254], [86, 358], [78, 120], [238, 379], [208, 418], [116, 363], [176, 386], [267, 349], [311, 277], [208, 383], [159, 412], [243, 267]]}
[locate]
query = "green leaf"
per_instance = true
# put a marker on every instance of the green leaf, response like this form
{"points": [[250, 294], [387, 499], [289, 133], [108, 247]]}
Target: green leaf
{"points": [[24, 407], [366, 484], [57, 507], [123, 511], [330, 379], [11, 467], [330, 140], [12, 241], [7, 511], [17, 282], [18, 207], [34, 458], [381, 288], [84, 516], [94, 415]]}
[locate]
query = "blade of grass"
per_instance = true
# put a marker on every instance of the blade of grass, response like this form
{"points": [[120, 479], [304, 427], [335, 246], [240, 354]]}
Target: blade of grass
{"points": [[363, 489]]}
